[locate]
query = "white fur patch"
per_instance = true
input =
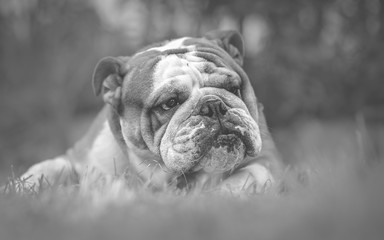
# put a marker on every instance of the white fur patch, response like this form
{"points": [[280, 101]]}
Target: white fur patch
{"points": [[260, 173], [174, 44], [105, 153], [255, 175], [188, 70], [51, 169]]}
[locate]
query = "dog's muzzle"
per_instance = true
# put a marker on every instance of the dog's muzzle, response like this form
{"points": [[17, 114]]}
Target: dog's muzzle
{"points": [[215, 139]]}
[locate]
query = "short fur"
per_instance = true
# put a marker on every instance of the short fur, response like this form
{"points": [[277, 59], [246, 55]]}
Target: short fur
{"points": [[136, 128]]}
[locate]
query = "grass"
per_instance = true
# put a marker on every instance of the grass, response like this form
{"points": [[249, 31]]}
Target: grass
{"points": [[321, 198]]}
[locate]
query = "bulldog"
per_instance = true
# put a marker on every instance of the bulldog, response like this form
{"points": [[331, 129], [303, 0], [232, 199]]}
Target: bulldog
{"points": [[179, 112]]}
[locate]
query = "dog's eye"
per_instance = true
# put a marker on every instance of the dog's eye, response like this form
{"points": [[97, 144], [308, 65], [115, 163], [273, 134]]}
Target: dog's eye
{"points": [[235, 90], [171, 103]]}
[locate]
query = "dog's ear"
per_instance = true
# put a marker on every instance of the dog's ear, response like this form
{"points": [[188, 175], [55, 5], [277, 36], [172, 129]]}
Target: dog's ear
{"points": [[108, 79], [231, 41]]}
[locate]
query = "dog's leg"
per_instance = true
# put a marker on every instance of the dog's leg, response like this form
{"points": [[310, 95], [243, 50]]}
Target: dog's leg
{"points": [[259, 173], [53, 172], [254, 178]]}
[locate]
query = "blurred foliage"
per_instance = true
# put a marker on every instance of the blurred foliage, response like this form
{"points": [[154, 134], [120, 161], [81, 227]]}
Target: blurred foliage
{"points": [[306, 58]]}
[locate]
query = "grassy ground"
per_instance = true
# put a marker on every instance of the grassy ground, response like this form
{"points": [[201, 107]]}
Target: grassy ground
{"points": [[334, 191]]}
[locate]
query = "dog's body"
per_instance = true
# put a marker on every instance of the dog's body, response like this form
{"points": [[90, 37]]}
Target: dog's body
{"points": [[183, 110]]}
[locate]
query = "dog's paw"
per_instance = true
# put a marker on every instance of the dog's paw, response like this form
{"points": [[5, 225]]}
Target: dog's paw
{"points": [[46, 174], [252, 179]]}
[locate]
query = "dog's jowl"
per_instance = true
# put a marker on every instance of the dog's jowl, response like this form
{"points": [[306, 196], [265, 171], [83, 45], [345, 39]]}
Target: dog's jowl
{"points": [[181, 111]]}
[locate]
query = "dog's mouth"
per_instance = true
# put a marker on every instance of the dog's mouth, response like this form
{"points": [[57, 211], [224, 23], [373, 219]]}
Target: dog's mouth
{"points": [[211, 146], [225, 153]]}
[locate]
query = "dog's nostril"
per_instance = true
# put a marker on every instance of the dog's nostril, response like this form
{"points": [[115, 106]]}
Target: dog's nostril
{"points": [[206, 110], [213, 108], [222, 108]]}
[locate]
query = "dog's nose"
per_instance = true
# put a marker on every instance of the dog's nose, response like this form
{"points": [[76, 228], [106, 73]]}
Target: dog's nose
{"points": [[213, 108]]}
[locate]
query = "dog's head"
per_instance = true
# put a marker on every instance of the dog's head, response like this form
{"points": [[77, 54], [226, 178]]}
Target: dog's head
{"points": [[187, 101]]}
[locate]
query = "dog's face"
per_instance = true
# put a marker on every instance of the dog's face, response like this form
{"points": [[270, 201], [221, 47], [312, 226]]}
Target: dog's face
{"points": [[186, 101]]}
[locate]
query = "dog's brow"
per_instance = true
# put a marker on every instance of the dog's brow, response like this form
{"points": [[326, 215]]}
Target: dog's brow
{"points": [[222, 84], [176, 67], [174, 44], [221, 77], [172, 88]]}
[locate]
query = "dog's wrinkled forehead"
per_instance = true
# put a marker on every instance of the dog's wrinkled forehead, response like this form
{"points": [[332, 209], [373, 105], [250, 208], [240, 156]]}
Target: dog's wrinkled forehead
{"points": [[189, 60]]}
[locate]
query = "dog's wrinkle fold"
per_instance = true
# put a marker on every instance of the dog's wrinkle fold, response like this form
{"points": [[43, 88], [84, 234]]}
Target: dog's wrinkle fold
{"points": [[201, 140], [183, 147], [242, 126]]}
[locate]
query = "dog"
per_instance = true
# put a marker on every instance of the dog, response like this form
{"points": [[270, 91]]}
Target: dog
{"points": [[179, 111]]}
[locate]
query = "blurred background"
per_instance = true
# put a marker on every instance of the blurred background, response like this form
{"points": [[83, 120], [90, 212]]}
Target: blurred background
{"points": [[317, 66]]}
